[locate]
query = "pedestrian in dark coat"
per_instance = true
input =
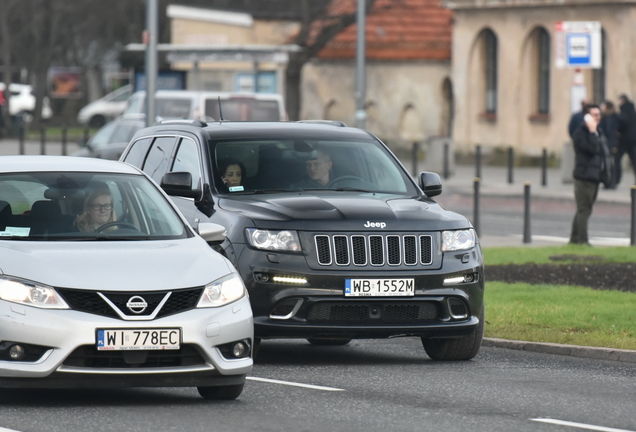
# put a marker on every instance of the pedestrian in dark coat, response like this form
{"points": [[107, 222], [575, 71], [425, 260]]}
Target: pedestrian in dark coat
{"points": [[610, 122], [627, 131], [589, 140]]}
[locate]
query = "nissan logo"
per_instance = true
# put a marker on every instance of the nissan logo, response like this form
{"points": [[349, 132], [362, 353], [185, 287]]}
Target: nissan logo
{"points": [[136, 304]]}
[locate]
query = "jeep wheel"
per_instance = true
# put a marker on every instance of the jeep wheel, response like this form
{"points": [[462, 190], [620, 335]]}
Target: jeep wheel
{"points": [[328, 342], [229, 392], [462, 348]]}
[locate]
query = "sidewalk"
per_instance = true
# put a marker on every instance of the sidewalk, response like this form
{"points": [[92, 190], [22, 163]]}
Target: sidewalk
{"points": [[494, 181], [12, 147]]}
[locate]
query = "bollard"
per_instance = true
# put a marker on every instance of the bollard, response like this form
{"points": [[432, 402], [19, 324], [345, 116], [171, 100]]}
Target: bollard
{"points": [[510, 162], [632, 237], [527, 238], [476, 207], [478, 161], [544, 167], [446, 161], [414, 156], [42, 140], [21, 138], [63, 140]]}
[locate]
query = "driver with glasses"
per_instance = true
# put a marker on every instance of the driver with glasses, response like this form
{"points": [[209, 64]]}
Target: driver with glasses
{"points": [[98, 210]]}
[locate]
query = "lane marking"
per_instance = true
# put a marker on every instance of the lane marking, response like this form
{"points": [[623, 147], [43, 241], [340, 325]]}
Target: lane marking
{"points": [[7, 430], [579, 425], [293, 384]]}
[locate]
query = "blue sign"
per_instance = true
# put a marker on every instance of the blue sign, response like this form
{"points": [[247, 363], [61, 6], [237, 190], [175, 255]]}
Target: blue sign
{"points": [[167, 80], [579, 49]]}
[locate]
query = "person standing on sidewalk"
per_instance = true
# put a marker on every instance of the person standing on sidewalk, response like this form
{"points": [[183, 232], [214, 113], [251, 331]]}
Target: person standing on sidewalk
{"points": [[627, 131], [610, 123], [589, 140], [577, 119]]}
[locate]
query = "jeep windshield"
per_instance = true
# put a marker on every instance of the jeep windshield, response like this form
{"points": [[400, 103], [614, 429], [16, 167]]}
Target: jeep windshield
{"points": [[84, 206], [296, 165]]}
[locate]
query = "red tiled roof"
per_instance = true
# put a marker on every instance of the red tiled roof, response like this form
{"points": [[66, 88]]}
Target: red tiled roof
{"points": [[395, 30]]}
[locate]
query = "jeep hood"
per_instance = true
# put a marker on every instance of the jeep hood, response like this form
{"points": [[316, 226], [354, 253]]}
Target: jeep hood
{"points": [[350, 211]]}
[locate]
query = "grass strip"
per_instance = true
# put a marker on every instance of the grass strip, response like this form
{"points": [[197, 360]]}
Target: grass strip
{"points": [[541, 255], [561, 314]]}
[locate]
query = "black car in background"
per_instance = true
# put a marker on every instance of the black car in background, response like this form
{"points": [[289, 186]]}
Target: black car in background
{"points": [[361, 252]]}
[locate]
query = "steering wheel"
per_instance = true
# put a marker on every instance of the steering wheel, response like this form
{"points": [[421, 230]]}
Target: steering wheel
{"points": [[122, 224], [346, 177]]}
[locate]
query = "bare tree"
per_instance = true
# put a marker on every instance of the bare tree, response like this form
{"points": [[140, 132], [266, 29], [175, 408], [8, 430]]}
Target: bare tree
{"points": [[328, 27]]}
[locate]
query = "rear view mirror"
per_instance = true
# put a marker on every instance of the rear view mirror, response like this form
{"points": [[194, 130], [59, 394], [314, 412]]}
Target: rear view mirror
{"points": [[430, 183], [179, 184]]}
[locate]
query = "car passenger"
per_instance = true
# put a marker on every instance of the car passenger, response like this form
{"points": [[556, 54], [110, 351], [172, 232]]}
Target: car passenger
{"points": [[232, 172], [98, 210]]}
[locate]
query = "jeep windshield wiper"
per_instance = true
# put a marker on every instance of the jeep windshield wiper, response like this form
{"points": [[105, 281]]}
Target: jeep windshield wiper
{"points": [[351, 189]]}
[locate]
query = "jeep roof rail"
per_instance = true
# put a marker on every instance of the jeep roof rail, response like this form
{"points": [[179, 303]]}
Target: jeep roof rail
{"points": [[327, 122], [198, 123]]}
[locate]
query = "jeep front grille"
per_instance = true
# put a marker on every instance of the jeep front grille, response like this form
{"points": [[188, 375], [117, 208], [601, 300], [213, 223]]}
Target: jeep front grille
{"points": [[374, 250]]}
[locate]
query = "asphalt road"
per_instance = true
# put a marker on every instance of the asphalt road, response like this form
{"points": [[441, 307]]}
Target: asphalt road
{"points": [[382, 385]]}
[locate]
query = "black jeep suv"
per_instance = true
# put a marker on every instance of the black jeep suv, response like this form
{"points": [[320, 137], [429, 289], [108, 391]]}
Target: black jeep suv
{"points": [[331, 235]]}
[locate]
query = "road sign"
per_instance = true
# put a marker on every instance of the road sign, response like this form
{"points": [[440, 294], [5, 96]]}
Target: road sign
{"points": [[578, 44]]}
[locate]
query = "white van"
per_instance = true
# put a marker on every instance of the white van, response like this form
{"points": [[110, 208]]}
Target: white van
{"points": [[204, 105]]}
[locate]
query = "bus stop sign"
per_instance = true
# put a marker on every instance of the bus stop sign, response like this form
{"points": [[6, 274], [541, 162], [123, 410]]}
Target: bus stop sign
{"points": [[578, 44]]}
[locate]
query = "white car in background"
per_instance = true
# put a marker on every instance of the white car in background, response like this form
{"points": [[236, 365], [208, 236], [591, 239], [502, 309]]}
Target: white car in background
{"points": [[97, 113], [22, 103]]}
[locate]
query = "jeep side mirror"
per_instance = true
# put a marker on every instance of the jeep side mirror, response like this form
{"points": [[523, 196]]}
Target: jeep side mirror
{"points": [[179, 184], [430, 183]]}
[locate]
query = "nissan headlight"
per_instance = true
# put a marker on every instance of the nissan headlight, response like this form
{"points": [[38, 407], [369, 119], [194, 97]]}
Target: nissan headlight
{"points": [[458, 240], [30, 293], [283, 240], [222, 291]]}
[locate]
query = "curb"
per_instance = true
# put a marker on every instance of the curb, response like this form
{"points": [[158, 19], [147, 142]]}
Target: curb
{"points": [[596, 353]]}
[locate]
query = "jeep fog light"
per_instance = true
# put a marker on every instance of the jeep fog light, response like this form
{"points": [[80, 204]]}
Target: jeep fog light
{"points": [[458, 240], [296, 280]]}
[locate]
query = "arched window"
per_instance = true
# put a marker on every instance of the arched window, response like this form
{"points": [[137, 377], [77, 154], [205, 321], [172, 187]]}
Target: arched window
{"points": [[599, 76], [543, 74], [490, 51]]}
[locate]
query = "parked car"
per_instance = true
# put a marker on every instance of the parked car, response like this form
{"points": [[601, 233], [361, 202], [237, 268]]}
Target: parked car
{"points": [[99, 112], [111, 140], [22, 102], [204, 105], [365, 254], [103, 283]]}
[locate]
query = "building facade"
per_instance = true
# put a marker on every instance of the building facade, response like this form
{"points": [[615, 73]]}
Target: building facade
{"points": [[508, 90], [408, 92]]}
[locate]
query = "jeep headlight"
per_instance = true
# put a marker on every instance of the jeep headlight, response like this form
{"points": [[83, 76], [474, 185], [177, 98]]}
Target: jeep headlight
{"points": [[458, 240], [30, 293], [283, 240], [226, 290]]}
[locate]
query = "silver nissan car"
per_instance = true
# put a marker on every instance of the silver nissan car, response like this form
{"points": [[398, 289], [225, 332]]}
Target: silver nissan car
{"points": [[103, 283]]}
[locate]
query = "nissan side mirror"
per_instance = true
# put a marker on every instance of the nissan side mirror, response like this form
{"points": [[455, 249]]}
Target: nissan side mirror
{"points": [[211, 232], [430, 183]]}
